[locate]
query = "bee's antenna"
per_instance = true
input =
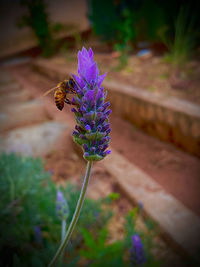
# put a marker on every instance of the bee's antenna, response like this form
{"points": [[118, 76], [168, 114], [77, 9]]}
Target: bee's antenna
{"points": [[49, 91]]}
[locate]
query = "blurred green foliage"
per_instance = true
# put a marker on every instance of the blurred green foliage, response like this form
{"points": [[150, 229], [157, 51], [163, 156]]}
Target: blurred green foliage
{"points": [[97, 248], [111, 197], [37, 19], [184, 40], [99, 252], [30, 230], [124, 23], [27, 201]]}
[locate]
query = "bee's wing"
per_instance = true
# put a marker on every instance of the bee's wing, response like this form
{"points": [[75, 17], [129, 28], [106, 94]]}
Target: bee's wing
{"points": [[50, 90]]}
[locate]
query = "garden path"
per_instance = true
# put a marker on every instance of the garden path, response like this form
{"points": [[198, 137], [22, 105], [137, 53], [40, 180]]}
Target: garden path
{"points": [[25, 124]]}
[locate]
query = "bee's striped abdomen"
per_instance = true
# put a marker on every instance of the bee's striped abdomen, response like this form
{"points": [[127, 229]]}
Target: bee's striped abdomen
{"points": [[59, 98]]}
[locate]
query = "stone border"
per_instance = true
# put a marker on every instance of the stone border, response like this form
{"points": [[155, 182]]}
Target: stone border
{"points": [[170, 119], [178, 224]]}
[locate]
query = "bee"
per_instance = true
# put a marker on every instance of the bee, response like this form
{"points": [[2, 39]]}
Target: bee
{"points": [[62, 90]]}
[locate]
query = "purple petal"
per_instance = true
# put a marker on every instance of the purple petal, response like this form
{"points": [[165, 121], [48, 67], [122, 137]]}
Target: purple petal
{"points": [[73, 110], [85, 146], [100, 79], [108, 112], [90, 53], [92, 73], [80, 82], [84, 52], [60, 197], [87, 128], [75, 133]]}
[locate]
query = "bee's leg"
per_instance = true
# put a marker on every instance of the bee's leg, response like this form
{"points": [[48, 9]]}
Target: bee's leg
{"points": [[71, 91], [67, 101]]}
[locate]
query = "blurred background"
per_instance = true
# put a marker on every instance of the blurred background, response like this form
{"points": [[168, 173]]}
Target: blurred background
{"points": [[143, 202]]}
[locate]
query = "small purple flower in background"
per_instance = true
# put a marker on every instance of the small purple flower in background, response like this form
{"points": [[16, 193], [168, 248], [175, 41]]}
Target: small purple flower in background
{"points": [[93, 127], [137, 255], [96, 214], [62, 209], [38, 234], [51, 171]]}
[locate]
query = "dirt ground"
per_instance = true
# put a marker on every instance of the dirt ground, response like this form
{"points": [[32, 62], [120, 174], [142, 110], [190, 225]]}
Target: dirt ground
{"points": [[156, 75], [151, 72], [177, 171]]}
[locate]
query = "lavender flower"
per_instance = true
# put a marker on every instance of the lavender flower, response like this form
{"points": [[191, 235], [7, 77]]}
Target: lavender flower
{"points": [[62, 209], [137, 256], [91, 112], [91, 132]]}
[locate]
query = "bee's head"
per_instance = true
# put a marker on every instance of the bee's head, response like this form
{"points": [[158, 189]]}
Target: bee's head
{"points": [[71, 83]]}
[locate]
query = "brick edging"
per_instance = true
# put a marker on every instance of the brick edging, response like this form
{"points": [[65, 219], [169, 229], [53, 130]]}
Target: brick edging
{"points": [[179, 225]]}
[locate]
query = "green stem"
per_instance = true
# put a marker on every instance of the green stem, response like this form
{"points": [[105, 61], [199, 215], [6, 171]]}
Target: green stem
{"points": [[63, 230], [75, 216]]}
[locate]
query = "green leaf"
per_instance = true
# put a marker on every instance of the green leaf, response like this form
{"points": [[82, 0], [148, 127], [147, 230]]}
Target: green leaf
{"points": [[88, 238], [102, 238]]}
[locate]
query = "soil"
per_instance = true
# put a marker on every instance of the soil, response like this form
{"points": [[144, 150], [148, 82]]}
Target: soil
{"points": [[154, 74], [177, 171], [151, 72]]}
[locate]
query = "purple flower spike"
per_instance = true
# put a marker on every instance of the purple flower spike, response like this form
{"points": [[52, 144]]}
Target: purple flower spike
{"points": [[93, 127], [62, 209], [137, 255]]}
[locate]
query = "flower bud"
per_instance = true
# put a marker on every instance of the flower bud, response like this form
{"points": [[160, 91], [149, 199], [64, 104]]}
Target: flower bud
{"points": [[137, 255], [62, 208]]}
